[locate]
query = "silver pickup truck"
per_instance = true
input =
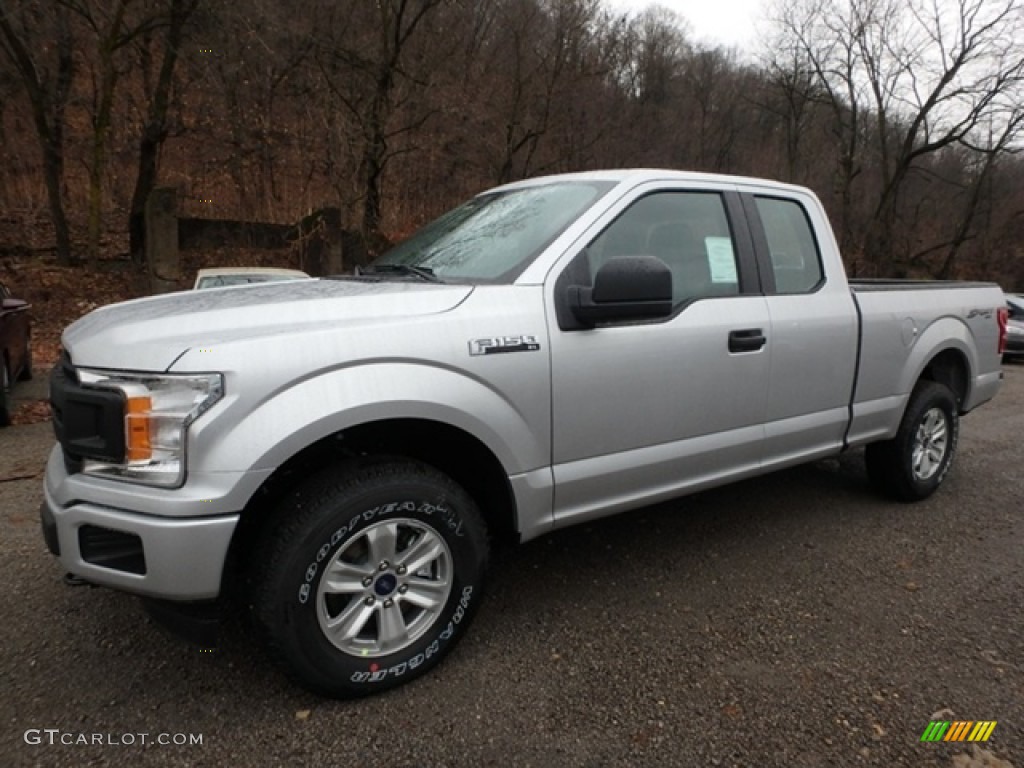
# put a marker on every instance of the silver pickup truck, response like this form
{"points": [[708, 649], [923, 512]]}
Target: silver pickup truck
{"points": [[339, 452]]}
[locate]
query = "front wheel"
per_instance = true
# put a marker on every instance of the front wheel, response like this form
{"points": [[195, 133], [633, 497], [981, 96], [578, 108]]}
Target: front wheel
{"points": [[370, 576], [912, 465]]}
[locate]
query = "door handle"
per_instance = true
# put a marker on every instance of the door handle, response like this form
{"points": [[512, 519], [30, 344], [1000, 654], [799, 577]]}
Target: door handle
{"points": [[748, 340]]}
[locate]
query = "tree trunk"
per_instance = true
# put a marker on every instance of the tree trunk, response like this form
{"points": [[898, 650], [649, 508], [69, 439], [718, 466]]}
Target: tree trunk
{"points": [[47, 100], [375, 153], [162, 240], [145, 181], [53, 172], [97, 166], [154, 132]]}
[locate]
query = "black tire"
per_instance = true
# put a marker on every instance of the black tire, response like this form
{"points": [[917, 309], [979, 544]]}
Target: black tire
{"points": [[5, 394], [912, 465], [26, 369], [339, 523]]}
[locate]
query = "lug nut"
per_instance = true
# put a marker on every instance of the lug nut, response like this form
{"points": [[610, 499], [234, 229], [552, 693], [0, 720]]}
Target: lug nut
{"points": [[367, 581], [388, 603], [403, 589], [384, 565], [370, 600], [401, 570]]}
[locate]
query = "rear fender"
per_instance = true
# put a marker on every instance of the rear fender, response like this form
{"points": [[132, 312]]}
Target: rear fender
{"points": [[946, 333]]}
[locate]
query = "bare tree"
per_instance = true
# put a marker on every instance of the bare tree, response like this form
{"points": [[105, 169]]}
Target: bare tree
{"points": [[256, 93], [815, 38], [167, 38], [534, 68], [928, 75], [46, 72], [113, 26], [713, 84], [789, 95], [366, 54], [1001, 142]]}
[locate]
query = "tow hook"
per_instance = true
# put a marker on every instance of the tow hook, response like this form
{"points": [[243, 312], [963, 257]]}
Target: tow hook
{"points": [[71, 580]]}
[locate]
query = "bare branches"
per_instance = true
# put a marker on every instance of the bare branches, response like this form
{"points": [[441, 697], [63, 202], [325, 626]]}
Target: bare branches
{"points": [[933, 75], [904, 115], [47, 83]]}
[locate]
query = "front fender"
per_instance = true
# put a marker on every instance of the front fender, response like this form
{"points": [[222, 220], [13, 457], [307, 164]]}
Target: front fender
{"points": [[515, 429]]}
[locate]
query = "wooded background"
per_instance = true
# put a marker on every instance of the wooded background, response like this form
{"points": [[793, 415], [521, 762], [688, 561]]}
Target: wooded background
{"points": [[905, 116]]}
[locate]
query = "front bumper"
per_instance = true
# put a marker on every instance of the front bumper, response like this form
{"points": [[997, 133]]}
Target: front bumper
{"points": [[160, 556]]}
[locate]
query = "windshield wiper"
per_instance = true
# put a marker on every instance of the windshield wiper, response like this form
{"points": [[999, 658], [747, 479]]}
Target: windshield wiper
{"points": [[423, 273]]}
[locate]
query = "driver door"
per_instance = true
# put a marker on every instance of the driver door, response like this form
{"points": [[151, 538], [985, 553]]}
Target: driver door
{"points": [[645, 410]]}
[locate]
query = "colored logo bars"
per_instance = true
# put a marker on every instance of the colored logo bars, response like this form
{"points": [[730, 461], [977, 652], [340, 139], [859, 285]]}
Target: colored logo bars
{"points": [[958, 730]]}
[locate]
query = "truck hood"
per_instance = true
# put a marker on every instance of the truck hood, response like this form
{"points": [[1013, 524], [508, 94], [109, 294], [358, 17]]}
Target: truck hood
{"points": [[150, 333]]}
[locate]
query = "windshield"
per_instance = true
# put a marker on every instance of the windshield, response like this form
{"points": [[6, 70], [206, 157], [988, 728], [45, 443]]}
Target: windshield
{"points": [[495, 236]]}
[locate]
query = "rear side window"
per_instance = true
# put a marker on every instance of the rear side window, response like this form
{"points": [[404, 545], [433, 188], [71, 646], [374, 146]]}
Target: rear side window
{"points": [[792, 248]]}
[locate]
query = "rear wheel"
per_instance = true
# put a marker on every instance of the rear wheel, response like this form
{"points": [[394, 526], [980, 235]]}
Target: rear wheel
{"points": [[370, 576], [912, 465]]}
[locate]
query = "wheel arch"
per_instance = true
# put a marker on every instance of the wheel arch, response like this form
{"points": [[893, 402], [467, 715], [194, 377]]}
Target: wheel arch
{"points": [[449, 449], [951, 368]]}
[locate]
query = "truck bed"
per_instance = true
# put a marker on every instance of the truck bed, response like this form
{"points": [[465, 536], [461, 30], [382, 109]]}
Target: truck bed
{"points": [[866, 284], [908, 321]]}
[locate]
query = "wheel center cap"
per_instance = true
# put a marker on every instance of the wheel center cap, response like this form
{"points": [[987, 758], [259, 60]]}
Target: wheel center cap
{"points": [[386, 584]]}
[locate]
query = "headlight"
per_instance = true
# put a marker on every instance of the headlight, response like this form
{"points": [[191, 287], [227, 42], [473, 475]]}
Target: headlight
{"points": [[158, 409]]}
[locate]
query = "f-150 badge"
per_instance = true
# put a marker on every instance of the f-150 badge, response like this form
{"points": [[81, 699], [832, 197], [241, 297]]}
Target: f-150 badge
{"points": [[497, 344]]}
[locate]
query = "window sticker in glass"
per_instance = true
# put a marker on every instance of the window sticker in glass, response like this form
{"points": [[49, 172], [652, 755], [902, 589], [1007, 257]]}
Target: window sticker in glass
{"points": [[721, 259]]}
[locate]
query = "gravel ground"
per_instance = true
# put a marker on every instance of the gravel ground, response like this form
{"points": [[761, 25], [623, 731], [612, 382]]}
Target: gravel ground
{"points": [[793, 620]]}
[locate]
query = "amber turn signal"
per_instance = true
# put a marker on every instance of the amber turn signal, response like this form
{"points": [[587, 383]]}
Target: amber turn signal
{"points": [[136, 429]]}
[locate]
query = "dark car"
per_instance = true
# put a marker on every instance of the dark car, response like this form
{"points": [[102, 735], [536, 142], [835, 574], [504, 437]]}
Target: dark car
{"points": [[15, 348], [1014, 328]]}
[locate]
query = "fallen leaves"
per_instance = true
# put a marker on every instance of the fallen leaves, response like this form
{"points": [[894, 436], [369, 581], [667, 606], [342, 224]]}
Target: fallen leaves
{"points": [[32, 412]]}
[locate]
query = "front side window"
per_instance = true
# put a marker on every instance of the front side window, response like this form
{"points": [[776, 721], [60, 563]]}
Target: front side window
{"points": [[495, 236], [792, 248], [688, 231]]}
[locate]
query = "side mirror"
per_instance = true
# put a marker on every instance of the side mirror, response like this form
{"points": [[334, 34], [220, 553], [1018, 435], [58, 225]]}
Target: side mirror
{"points": [[625, 288]]}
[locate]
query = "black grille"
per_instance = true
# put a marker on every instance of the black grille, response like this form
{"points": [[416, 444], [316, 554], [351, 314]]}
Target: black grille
{"points": [[63, 373], [87, 422]]}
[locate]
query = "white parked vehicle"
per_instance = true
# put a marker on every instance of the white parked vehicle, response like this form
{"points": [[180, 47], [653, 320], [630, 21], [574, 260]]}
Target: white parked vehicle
{"points": [[222, 277], [553, 351]]}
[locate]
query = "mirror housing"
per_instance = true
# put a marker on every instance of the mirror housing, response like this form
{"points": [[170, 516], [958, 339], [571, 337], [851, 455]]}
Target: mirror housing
{"points": [[625, 288]]}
